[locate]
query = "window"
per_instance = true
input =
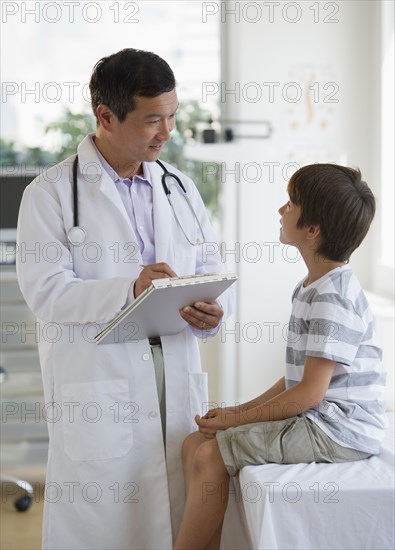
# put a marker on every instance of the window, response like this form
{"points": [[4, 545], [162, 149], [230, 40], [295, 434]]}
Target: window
{"points": [[50, 48], [385, 273]]}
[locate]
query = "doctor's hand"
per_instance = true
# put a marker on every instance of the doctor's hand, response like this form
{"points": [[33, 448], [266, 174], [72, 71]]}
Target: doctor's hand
{"points": [[149, 273], [203, 315]]}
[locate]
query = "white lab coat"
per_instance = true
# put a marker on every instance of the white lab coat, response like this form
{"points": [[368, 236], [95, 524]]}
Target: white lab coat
{"points": [[110, 483]]}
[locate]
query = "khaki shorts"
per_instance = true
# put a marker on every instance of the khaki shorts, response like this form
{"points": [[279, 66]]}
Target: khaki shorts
{"points": [[291, 441]]}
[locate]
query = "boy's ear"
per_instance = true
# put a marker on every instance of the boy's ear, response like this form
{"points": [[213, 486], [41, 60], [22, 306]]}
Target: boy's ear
{"points": [[105, 116], [313, 232]]}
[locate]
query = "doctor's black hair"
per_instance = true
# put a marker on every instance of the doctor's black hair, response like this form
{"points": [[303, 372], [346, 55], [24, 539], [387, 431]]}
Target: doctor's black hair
{"points": [[117, 79], [337, 200]]}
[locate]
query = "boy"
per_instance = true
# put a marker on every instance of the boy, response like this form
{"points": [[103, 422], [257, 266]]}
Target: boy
{"points": [[329, 406]]}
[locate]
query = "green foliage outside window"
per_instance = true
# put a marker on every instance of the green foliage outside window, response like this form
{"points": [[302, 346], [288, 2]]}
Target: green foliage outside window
{"points": [[71, 128]]}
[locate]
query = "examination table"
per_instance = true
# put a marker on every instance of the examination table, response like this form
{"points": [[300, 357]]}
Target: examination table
{"points": [[344, 506]]}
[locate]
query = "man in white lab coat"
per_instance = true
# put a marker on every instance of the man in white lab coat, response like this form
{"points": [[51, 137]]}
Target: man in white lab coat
{"points": [[117, 413]]}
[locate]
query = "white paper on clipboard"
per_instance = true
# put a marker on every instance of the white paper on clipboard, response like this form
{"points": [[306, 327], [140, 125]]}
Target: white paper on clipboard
{"points": [[156, 312]]}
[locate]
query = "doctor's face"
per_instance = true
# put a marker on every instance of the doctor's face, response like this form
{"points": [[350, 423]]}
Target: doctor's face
{"points": [[146, 129]]}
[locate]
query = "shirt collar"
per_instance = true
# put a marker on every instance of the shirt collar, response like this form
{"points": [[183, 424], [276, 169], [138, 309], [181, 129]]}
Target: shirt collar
{"points": [[146, 176]]}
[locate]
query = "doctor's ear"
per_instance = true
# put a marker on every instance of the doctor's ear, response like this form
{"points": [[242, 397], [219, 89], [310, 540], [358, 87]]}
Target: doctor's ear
{"points": [[105, 116]]}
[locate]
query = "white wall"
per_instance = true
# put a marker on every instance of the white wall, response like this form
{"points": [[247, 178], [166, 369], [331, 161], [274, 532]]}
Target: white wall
{"points": [[342, 58]]}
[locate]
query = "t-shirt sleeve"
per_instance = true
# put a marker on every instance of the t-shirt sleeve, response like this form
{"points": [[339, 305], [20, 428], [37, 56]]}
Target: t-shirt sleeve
{"points": [[335, 329]]}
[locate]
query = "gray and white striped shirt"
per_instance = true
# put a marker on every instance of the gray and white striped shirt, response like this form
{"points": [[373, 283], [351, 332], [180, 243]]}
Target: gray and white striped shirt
{"points": [[331, 319]]}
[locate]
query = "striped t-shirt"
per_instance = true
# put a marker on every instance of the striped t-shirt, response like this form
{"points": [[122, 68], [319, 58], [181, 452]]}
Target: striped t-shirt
{"points": [[331, 319]]}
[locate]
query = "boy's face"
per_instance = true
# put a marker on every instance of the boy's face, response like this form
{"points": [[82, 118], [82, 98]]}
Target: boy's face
{"points": [[289, 232]]}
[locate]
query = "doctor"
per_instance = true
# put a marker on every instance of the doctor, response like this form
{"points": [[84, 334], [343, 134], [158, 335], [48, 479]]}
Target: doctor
{"points": [[118, 413]]}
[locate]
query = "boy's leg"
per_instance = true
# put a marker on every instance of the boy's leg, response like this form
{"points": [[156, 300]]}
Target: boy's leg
{"points": [[207, 498], [191, 443], [215, 542]]}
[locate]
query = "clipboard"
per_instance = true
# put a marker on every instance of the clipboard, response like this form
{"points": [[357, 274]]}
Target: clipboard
{"points": [[156, 312]]}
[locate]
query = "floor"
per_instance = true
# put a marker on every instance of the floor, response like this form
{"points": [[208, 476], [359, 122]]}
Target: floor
{"points": [[20, 530]]}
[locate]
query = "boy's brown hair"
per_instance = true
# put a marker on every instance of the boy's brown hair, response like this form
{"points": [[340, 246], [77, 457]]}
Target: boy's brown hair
{"points": [[339, 201]]}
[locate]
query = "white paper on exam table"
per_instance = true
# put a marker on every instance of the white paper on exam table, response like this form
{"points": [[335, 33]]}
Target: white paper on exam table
{"points": [[156, 312]]}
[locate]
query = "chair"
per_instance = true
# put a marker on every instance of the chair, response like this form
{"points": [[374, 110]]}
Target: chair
{"points": [[24, 499]]}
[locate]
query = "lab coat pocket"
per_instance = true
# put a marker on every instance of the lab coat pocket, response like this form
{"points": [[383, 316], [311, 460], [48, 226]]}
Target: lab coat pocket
{"points": [[198, 393], [97, 419]]}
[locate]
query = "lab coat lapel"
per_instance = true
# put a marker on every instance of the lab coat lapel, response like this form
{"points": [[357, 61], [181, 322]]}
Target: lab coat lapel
{"points": [[92, 171], [162, 213], [108, 188]]}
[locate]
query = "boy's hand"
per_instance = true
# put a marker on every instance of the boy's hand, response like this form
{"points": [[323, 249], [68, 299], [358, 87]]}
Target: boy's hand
{"points": [[214, 420], [224, 410]]}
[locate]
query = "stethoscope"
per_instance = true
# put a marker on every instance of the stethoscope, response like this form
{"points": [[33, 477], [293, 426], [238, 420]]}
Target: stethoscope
{"points": [[77, 235]]}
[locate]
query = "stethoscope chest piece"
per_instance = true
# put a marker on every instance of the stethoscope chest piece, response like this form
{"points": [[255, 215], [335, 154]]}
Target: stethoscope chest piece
{"points": [[76, 236]]}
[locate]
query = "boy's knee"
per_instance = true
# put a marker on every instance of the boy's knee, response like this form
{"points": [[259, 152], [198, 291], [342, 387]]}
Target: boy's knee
{"points": [[189, 445], [207, 456]]}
